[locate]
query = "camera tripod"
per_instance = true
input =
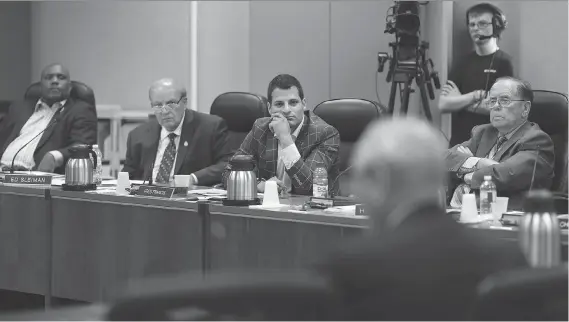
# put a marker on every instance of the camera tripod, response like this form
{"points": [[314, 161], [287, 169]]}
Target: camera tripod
{"points": [[404, 72]]}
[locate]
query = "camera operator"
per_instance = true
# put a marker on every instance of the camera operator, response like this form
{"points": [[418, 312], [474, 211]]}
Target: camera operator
{"points": [[471, 76]]}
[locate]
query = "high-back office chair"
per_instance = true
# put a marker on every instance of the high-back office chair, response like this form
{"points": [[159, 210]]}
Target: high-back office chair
{"points": [[239, 110], [251, 296], [78, 91], [4, 107], [549, 111], [528, 294], [349, 116]]}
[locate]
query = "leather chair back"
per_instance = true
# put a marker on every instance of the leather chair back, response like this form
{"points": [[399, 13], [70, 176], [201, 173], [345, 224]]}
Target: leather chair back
{"points": [[529, 294], [350, 116], [239, 110], [79, 91], [238, 296], [549, 111]]}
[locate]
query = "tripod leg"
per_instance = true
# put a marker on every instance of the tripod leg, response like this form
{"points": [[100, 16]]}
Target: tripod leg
{"points": [[405, 98], [424, 99], [391, 106]]}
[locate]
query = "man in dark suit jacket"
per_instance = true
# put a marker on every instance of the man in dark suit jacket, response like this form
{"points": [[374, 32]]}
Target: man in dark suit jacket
{"points": [[288, 146], [66, 122], [516, 153], [417, 263], [178, 141]]}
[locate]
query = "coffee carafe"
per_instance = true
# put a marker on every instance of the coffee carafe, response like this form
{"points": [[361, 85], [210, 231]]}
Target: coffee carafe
{"points": [[242, 181], [79, 169]]}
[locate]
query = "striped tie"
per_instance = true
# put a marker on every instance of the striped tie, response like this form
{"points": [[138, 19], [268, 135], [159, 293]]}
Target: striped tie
{"points": [[167, 161]]}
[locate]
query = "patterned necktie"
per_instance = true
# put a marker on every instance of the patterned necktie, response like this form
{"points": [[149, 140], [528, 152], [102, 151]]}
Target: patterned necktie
{"points": [[167, 161], [281, 173]]}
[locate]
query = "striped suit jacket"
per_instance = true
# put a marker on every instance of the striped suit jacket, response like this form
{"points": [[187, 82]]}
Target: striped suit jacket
{"points": [[318, 144]]}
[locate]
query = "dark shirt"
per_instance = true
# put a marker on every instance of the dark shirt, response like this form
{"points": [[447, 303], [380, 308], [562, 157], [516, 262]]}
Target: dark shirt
{"points": [[468, 73]]}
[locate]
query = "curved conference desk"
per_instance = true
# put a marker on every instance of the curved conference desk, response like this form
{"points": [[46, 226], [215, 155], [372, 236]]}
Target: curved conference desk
{"points": [[85, 246]]}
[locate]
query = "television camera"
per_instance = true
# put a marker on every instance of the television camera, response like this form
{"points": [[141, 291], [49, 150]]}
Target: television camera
{"points": [[409, 60]]}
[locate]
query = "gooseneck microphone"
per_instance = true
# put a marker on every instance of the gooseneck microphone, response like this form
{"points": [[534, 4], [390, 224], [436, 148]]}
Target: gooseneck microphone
{"points": [[338, 177], [534, 167], [50, 124], [149, 175]]}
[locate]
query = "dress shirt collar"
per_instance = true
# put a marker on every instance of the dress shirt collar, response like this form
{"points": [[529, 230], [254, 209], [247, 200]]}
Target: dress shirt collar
{"points": [[55, 105], [178, 131]]}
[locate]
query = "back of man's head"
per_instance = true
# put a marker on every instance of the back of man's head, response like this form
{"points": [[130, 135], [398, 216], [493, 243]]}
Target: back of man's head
{"points": [[398, 161]]}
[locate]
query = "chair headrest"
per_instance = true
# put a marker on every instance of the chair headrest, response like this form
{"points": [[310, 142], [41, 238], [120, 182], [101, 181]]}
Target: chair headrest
{"points": [[349, 116], [79, 91], [239, 109], [549, 111]]}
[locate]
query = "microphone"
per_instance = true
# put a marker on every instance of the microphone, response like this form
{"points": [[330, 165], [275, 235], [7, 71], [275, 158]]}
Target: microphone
{"points": [[338, 177], [534, 167], [149, 175], [51, 123]]}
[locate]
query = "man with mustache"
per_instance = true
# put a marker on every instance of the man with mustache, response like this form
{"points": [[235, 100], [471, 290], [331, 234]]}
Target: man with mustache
{"points": [[292, 143], [23, 126], [472, 75], [178, 141], [516, 153]]}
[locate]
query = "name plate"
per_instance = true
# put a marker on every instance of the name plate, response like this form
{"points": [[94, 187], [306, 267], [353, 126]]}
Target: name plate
{"points": [[26, 179], [156, 191], [360, 210]]}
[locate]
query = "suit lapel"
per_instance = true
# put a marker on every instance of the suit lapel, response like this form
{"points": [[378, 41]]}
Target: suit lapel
{"points": [[186, 137], [515, 138], [487, 141], [49, 131], [301, 141], [153, 136]]}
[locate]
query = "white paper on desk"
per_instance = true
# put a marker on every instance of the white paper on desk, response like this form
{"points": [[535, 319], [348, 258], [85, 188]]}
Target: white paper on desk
{"points": [[113, 182], [213, 192]]}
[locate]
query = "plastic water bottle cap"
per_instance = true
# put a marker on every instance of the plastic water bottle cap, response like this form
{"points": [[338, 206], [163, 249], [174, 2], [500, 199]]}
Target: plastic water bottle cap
{"points": [[487, 178]]}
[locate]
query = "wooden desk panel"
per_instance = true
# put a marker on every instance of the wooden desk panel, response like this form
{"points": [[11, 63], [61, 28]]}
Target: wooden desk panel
{"points": [[24, 227], [100, 242], [241, 238]]}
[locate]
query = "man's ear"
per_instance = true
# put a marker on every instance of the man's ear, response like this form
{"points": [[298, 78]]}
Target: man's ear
{"points": [[269, 107], [527, 108], [304, 103]]}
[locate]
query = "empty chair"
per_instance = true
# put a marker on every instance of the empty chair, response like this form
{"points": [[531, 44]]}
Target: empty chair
{"points": [[261, 296], [79, 91], [239, 110], [525, 294], [349, 116]]}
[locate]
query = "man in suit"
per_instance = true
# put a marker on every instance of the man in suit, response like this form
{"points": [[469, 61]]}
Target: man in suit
{"points": [[178, 141], [39, 133], [288, 146], [516, 153], [416, 262]]}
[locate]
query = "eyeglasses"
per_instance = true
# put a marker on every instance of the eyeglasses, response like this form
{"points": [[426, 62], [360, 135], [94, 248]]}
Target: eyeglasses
{"points": [[166, 107], [502, 101], [479, 24]]}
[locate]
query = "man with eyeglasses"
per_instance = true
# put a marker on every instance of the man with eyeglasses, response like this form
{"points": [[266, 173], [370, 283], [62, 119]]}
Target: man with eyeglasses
{"points": [[515, 152], [472, 75], [179, 141]]}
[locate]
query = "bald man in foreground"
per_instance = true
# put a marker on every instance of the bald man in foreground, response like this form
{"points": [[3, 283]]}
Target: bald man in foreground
{"points": [[64, 121], [178, 141], [417, 263]]}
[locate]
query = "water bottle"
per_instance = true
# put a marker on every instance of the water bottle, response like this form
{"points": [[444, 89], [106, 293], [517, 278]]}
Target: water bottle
{"points": [[98, 168], [539, 232], [487, 195], [320, 183]]}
